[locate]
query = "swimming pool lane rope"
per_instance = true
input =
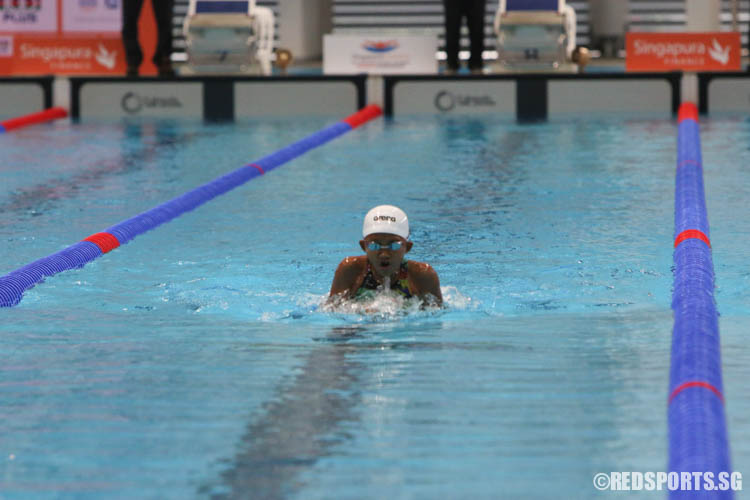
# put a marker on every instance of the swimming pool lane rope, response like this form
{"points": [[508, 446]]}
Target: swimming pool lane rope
{"points": [[697, 423], [32, 119], [14, 284]]}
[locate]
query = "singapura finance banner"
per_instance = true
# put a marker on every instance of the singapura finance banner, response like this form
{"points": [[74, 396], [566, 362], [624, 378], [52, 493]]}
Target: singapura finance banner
{"points": [[682, 51], [39, 37]]}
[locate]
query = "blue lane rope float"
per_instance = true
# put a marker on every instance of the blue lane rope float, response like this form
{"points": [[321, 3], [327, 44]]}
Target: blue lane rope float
{"points": [[14, 284], [697, 424]]}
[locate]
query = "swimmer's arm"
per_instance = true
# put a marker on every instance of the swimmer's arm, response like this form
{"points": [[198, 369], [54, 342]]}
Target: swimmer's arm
{"points": [[348, 276], [426, 281]]}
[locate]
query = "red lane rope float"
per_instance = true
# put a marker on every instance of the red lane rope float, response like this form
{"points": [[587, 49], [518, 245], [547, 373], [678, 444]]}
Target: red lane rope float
{"points": [[15, 283], [696, 383], [34, 118], [692, 233], [364, 115], [688, 110], [105, 241], [688, 162]]}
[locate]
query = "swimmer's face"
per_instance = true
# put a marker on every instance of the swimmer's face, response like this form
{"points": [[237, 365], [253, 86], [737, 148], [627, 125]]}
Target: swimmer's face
{"points": [[385, 260]]}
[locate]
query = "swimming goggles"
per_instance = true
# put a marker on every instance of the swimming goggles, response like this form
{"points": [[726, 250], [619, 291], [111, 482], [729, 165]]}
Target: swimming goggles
{"points": [[375, 246]]}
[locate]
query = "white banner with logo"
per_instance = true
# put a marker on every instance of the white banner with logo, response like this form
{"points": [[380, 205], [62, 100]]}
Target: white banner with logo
{"points": [[379, 54], [92, 16], [455, 97], [165, 100], [28, 16]]}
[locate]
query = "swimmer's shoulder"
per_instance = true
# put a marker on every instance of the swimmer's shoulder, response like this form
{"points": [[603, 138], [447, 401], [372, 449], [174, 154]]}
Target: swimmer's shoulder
{"points": [[419, 268], [424, 279], [353, 265], [349, 274]]}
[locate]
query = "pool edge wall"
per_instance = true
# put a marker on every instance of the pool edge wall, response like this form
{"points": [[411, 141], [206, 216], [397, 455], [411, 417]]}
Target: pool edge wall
{"points": [[216, 98], [525, 97], [25, 95], [726, 92], [533, 97]]}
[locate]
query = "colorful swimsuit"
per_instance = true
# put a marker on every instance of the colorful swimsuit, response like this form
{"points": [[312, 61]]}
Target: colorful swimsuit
{"points": [[370, 284]]}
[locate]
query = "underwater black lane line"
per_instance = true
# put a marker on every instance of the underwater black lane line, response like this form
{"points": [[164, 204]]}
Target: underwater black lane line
{"points": [[298, 427], [63, 188]]}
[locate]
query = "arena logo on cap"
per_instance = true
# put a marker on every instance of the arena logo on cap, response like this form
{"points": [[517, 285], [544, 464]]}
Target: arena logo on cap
{"points": [[386, 218], [380, 46]]}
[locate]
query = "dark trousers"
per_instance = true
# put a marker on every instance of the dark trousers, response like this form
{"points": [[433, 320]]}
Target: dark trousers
{"points": [[455, 11], [131, 11]]}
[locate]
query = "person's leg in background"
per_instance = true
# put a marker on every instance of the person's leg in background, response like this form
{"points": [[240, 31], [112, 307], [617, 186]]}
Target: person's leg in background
{"points": [[475, 20], [163, 12], [131, 10], [452, 32]]}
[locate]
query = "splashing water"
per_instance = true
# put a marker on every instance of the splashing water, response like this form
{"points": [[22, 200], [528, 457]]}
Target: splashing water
{"points": [[457, 301], [387, 305]]}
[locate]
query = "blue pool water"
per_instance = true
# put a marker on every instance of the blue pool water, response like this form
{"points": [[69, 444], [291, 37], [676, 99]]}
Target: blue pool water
{"points": [[195, 361]]}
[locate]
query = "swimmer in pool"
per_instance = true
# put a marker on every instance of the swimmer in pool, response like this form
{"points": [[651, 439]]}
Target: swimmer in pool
{"points": [[385, 234]]}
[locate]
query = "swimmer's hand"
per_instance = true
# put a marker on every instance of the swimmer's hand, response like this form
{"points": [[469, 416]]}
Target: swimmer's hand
{"points": [[429, 301]]}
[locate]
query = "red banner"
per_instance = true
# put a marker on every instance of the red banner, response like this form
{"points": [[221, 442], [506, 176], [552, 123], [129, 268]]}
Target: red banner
{"points": [[74, 37], [64, 55], [682, 52]]}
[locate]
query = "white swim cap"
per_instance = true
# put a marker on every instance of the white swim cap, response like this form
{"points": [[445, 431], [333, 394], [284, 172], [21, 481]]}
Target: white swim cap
{"points": [[386, 219]]}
